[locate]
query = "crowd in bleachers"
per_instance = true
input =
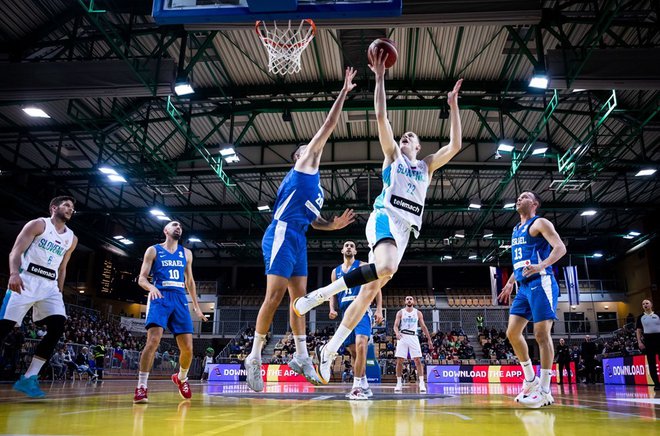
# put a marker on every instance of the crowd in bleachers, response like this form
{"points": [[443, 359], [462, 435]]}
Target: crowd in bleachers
{"points": [[241, 346], [495, 344]]}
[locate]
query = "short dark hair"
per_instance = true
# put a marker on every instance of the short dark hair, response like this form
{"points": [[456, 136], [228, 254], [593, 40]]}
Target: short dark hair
{"points": [[295, 150], [536, 198], [57, 201]]}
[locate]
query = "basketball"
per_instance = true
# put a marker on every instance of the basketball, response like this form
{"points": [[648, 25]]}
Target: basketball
{"points": [[388, 46]]}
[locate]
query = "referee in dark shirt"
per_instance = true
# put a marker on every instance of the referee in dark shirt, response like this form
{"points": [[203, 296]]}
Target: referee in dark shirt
{"points": [[648, 338]]}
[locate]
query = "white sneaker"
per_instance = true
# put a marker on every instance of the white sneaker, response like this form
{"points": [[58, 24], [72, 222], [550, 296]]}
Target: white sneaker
{"points": [[422, 388], [304, 367], [253, 374], [527, 388], [398, 388], [368, 392], [302, 305], [537, 398], [357, 394], [324, 369]]}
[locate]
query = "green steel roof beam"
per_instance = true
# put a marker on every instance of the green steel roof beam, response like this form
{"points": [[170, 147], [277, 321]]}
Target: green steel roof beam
{"points": [[437, 53], [457, 47], [201, 50]]}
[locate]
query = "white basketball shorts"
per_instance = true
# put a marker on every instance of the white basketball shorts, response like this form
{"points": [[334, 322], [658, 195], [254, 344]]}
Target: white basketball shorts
{"points": [[42, 295]]}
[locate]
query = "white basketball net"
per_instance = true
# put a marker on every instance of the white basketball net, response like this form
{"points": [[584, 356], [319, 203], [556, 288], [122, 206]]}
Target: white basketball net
{"points": [[285, 44]]}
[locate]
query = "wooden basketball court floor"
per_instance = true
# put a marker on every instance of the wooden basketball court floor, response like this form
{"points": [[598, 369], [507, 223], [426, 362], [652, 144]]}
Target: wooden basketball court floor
{"points": [[80, 408]]}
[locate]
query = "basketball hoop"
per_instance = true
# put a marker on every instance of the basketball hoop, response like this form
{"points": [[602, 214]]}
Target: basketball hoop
{"points": [[285, 44]]}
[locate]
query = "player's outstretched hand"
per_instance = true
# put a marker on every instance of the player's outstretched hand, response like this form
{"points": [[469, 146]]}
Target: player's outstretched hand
{"points": [[506, 293], [377, 58], [378, 317], [333, 314], [154, 294], [348, 79], [200, 315], [15, 283], [452, 96], [339, 222]]}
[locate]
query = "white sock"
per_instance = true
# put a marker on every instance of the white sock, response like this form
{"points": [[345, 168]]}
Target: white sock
{"points": [[301, 345], [332, 289], [399, 381], [142, 379], [357, 382], [183, 374], [365, 383], [338, 338], [35, 366], [421, 379], [546, 374], [528, 370], [257, 345]]}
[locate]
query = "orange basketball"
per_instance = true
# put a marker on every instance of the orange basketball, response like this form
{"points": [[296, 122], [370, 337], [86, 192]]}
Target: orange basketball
{"points": [[388, 46]]}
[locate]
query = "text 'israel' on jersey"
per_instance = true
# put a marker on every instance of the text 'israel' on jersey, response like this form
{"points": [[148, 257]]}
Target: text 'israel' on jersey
{"points": [[347, 296], [168, 269], [404, 190], [299, 199], [528, 250]]}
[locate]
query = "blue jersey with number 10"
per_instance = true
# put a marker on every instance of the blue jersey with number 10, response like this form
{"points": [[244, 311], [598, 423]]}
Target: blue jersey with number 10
{"points": [[299, 199], [528, 250], [168, 269]]}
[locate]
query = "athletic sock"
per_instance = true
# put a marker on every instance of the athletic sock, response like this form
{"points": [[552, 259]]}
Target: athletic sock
{"points": [[546, 374], [183, 374], [365, 383], [301, 345], [142, 379], [528, 370], [257, 345], [357, 382], [338, 338], [421, 379], [399, 381], [35, 366]]}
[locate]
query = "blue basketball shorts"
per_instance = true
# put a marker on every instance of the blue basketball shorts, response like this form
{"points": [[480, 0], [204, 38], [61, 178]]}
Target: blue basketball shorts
{"points": [[170, 312], [363, 328], [536, 299], [284, 248]]}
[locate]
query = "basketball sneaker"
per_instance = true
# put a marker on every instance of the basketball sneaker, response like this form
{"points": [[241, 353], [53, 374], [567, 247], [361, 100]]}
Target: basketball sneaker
{"points": [[29, 386], [422, 388], [357, 394], [140, 396], [184, 387], [324, 369], [527, 388], [368, 392], [304, 367], [537, 398], [398, 388], [253, 374], [302, 305]]}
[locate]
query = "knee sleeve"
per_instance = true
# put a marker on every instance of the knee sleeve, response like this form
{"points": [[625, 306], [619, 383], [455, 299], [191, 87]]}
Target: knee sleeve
{"points": [[55, 324], [360, 276]]}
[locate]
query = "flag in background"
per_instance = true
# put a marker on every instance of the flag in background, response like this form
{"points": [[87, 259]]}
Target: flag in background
{"points": [[571, 277], [498, 278]]}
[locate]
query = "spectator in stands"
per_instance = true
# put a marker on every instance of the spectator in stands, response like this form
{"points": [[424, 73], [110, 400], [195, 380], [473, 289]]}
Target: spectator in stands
{"points": [[480, 323], [41, 332], [99, 358], [208, 360], [630, 319], [347, 374], [82, 361], [57, 363], [588, 354], [12, 349]]}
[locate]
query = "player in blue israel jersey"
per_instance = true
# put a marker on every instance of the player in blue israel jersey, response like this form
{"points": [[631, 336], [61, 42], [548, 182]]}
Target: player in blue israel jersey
{"points": [[298, 205], [358, 341], [535, 247], [170, 266]]}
